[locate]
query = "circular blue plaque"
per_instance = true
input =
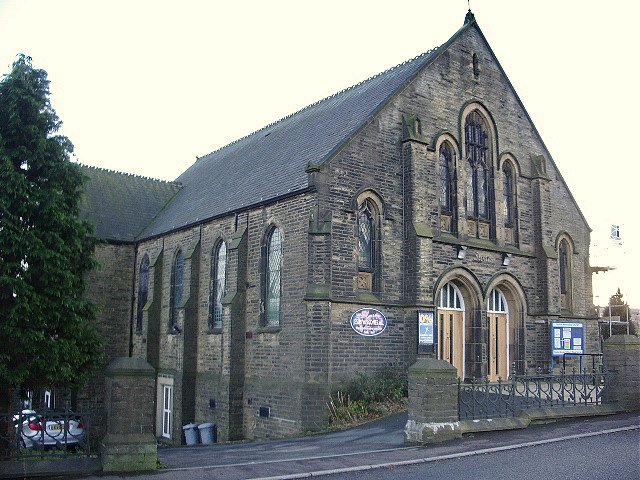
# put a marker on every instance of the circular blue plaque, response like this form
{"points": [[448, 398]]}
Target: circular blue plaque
{"points": [[368, 322]]}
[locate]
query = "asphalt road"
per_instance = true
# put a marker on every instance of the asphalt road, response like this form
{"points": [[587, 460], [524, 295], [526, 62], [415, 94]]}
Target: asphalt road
{"points": [[589, 448], [607, 456]]}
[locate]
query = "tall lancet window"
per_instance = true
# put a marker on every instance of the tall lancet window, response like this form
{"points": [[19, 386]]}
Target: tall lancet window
{"points": [[509, 194], [175, 299], [446, 179], [143, 291], [218, 285], [272, 289], [366, 236], [477, 188]]}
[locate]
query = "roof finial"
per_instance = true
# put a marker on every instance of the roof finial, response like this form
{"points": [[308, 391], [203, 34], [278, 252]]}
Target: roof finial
{"points": [[468, 18]]}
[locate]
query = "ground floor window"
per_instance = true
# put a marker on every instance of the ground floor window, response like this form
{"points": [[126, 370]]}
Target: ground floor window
{"points": [[164, 407], [167, 407]]}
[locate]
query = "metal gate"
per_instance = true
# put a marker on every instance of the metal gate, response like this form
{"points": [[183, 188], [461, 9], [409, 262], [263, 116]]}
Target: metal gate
{"points": [[44, 433]]}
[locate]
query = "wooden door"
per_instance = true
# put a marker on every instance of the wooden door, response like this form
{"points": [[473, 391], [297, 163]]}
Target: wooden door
{"points": [[498, 346], [451, 338]]}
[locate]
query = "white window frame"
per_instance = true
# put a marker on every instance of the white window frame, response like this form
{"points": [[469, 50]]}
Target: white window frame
{"points": [[445, 300], [445, 295], [164, 411], [167, 410], [497, 302]]}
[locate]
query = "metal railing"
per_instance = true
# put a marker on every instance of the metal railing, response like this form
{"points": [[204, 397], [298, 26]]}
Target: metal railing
{"points": [[43, 433], [596, 361], [482, 399]]}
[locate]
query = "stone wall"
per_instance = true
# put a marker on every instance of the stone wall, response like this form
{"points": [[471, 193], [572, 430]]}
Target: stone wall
{"points": [[225, 375], [109, 288], [129, 444], [622, 361]]}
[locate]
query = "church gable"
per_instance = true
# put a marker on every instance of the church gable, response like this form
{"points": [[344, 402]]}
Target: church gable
{"points": [[418, 142]]}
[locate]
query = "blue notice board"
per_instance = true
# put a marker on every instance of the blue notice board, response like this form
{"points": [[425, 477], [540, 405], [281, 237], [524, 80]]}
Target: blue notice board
{"points": [[426, 332], [566, 337], [425, 328]]}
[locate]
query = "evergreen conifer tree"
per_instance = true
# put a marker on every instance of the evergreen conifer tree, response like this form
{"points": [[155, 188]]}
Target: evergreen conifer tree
{"points": [[47, 335]]}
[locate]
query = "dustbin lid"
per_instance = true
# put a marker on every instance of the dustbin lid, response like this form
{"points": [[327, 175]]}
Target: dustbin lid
{"points": [[189, 426], [205, 425]]}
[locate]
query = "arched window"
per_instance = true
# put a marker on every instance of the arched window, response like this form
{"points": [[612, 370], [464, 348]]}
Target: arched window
{"points": [[218, 286], [446, 179], [143, 290], [497, 302], [368, 233], [564, 266], [366, 236], [477, 188], [450, 298], [273, 282], [451, 326], [509, 194], [177, 274]]}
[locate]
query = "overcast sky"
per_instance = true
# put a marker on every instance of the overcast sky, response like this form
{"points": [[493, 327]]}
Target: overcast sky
{"points": [[146, 86]]}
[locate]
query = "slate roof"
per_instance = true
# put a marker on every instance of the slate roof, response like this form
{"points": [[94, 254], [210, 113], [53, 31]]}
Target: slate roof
{"points": [[271, 162], [120, 205]]}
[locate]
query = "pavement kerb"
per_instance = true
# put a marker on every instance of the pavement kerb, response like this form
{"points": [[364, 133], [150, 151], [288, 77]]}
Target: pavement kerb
{"points": [[471, 453], [430, 433]]}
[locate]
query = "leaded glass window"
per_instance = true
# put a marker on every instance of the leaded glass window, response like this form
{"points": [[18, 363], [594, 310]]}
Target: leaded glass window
{"points": [[477, 170], [218, 288], [143, 290], [446, 156], [366, 235], [273, 279], [563, 259], [177, 274], [507, 180], [469, 189]]}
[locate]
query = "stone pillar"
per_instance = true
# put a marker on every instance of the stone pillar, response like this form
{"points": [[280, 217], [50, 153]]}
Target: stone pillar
{"points": [[621, 359], [433, 402], [129, 444]]}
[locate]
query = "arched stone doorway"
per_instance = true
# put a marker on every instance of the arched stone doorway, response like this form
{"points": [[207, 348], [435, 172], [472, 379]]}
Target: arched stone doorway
{"points": [[497, 336], [451, 323], [506, 311], [458, 300]]}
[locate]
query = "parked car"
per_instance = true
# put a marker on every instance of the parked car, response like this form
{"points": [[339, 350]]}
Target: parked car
{"points": [[49, 429]]}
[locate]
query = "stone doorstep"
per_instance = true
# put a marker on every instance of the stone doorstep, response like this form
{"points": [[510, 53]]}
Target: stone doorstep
{"points": [[427, 433]]}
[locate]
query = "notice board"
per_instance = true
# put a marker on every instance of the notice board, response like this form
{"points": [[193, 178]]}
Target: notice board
{"points": [[567, 337]]}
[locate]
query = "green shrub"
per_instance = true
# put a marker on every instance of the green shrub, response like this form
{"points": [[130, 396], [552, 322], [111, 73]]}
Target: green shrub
{"points": [[368, 396], [385, 385], [343, 410]]}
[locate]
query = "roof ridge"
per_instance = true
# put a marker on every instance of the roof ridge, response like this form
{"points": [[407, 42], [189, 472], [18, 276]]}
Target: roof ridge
{"points": [[428, 52], [129, 174]]}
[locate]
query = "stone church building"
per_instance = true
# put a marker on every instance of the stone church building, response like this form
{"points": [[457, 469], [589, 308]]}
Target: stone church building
{"points": [[289, 260]]}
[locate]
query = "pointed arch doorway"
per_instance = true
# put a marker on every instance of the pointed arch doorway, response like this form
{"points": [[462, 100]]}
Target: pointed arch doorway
{"points": [[497, 336], [451, 329]]}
